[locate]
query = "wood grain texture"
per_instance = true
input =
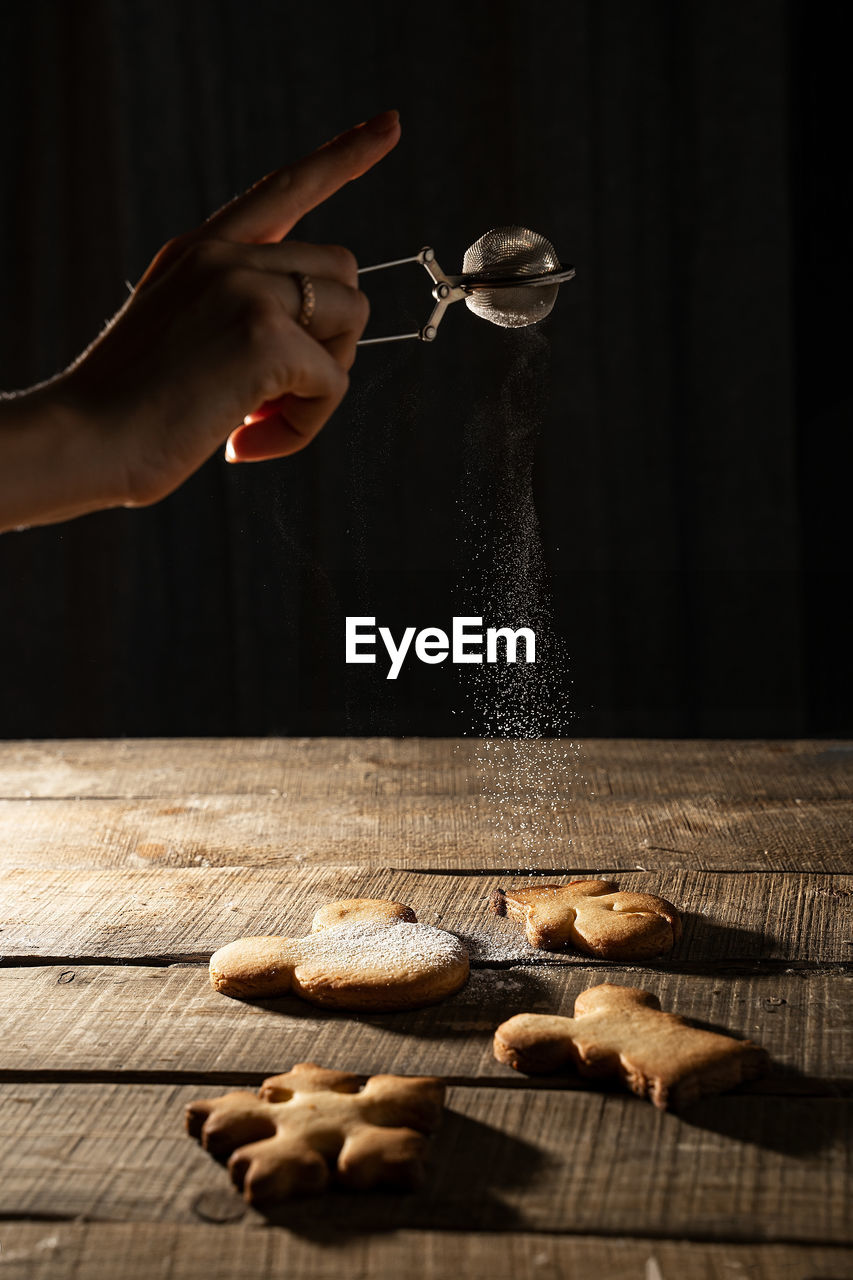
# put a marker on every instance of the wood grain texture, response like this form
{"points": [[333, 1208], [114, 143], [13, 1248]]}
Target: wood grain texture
{"points": [[185, 914], [738, 1168], [429, 832], [171, 1022], [321, 768], [143, 1251], [139, 853]]}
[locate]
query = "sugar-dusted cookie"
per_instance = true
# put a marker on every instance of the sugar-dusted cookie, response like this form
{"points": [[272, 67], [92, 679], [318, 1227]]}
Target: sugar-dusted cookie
{"points": [[594, 917], [362, 953], [311, 1126], [622, 1031]]}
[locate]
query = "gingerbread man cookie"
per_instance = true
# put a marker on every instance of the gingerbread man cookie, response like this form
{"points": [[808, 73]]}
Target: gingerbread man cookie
{"points": [[310, 1126], [622, 1031], [594, 917], [362, 953]]}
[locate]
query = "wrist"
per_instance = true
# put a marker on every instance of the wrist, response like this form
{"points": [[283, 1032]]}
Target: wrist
{"points": [[52, 464]]}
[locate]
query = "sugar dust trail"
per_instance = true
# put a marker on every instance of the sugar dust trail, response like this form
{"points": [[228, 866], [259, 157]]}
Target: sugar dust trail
{"points": [[518, 715]]}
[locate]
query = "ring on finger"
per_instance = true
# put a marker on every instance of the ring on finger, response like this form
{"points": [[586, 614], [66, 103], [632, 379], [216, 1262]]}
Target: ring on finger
{"points": [[306, 289]]}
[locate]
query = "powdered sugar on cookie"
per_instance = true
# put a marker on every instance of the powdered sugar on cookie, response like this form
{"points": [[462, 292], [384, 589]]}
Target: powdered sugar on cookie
{"points": [[362, 954]]}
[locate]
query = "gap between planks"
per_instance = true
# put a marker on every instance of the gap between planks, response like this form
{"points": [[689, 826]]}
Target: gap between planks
{"points": [[744, 968], [600, 873], [641, 1235], [136, 1251], [822, 1090]]}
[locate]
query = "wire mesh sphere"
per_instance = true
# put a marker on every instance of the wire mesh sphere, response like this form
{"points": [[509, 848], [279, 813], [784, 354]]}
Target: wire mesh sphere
{"points": [[511, 251]]}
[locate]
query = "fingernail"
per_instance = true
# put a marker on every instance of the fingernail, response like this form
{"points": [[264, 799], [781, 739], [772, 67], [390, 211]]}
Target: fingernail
{"points": [[383, 123], [230, 455]]}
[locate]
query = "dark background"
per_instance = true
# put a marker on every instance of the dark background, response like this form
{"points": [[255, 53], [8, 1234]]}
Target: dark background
{"points": [[687, 405]]}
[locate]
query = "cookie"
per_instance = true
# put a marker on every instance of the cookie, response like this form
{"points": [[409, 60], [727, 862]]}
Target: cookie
{"points": [[594, 917], [361, 953], [311, 1127], [622, 1031]]}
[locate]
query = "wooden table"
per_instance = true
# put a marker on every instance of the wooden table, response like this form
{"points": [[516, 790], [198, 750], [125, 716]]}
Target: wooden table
{"points": [[127, 863]]}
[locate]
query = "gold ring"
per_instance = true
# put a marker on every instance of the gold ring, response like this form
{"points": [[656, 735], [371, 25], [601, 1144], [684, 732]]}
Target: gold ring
{"points": [[306, 288]]}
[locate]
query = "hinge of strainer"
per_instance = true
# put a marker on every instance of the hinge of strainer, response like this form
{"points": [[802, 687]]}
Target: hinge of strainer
{"points": [[448, 289]]}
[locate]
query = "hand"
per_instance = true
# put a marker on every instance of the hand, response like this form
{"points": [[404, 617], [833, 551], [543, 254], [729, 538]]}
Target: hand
{"points": [[208, 347]]}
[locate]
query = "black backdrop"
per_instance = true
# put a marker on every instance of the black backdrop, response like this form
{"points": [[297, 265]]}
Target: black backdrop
{"points": [[685, 404]]}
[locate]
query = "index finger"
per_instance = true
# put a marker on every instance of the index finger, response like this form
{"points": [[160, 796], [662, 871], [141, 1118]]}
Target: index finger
{"points": [[268, 210]]}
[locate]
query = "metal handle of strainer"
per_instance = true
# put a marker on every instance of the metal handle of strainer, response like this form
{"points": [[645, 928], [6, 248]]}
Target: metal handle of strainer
{"points": [[510, 276]]}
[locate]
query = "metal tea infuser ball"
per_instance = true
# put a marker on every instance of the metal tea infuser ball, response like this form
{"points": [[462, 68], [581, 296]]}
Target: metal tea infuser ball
{"points": [[510, 276]]}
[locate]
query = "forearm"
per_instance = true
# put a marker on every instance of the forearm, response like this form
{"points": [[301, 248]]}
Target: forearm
{"points": [[50, 467]]}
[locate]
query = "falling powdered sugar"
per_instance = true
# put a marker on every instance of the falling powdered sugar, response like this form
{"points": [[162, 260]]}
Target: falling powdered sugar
{"points": [[518, 714]]}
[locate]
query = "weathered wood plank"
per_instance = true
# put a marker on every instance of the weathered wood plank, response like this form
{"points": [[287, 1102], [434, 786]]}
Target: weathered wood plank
{"points": [[142, 1250], [739, 1168], [429, 832], [136, 1020], [188, 913], [320, 768]]}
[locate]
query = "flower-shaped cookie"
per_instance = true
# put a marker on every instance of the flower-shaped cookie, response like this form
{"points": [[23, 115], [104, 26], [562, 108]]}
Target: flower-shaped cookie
{"points": [[593, 916]]}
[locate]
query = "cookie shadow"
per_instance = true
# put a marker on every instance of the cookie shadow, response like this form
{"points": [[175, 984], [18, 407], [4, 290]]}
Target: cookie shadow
{"points": [[705, 942], [796, 1128], [478, 1007], [785, 1083], [471, 1169]]}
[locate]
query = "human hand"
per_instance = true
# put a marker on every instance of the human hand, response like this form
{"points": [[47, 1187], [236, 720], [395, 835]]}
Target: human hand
{"points": [[210, 337]]}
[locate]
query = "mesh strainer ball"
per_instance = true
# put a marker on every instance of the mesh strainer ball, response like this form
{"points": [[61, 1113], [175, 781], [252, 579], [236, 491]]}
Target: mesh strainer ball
{"points": [[511, 251]]}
